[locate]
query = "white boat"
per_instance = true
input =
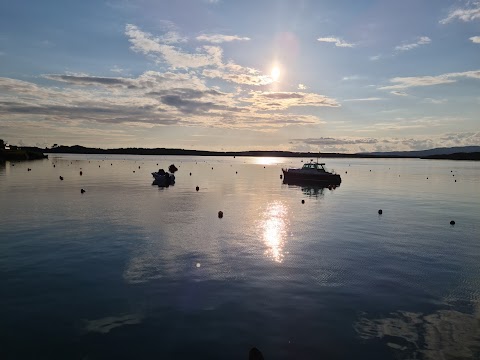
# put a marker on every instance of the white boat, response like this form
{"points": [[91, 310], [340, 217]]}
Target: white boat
{"points": [[311, 172]]}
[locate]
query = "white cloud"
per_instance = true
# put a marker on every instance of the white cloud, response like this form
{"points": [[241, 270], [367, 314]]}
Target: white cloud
{"points": [[399, 93], [351, 78], [375, 57], [422, 40], [435, 101], [466, 15], [365, 99], [302, 87], [146, 43], [283, 100], [337, 41], [218, 38], [475, 39], [415, 81]]}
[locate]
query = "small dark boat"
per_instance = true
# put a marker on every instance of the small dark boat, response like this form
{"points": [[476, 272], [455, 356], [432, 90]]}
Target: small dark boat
{"points": [[311, 172], [163, 178]]}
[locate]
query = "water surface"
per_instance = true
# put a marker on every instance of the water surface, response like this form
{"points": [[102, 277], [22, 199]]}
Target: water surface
{"points": [[130, 270]]}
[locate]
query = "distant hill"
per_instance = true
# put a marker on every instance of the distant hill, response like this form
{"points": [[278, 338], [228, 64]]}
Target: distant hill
{"points": [[430, 152], [456, 156]]}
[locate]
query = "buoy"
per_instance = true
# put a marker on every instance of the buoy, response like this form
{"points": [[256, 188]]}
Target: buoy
{"points": [[197, 188], [451, 170], [453, 175], [455, 180], [111, 164], [139, 167], [281, 176], [61, 177], [212, 168], [220, 214], [133, 170], [345, 172], [370, 170], [264, 167], [53, 165], [380, 212], [82, 191], [81, 173], [303, 201], [157, 163], [190, 174], [98, 165], [427, 178], [452, 222], [236, 172]]}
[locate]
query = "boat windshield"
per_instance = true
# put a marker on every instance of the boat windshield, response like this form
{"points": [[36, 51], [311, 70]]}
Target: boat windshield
{"points": [[314, 166]]}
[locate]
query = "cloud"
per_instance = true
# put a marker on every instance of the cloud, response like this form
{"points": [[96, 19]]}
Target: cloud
{"points": [[284, 100], [422, 40], [162, 50], [399, 93], [465, 15], [365, 99], [416, 81], [475, 39], [375, 57], [352, 78], [218, 38], [435, 101], [337, 41], [117, 69], [302, 87], [336, 141]]}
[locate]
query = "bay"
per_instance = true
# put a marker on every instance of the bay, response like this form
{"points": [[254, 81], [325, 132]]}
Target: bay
{"points": [[131, 270]]}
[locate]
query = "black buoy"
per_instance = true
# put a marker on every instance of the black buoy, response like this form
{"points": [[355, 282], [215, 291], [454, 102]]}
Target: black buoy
{"points": [[133, 170], [98, 165], [81, 173], [53, 165], [212, 168], [61, 177], [264, 167], [82, 191], [303, 201], [255, 354], [139, 167], [220, 214], [370, 170], [380, 212], [111, 164], [345, 172], [281, 176], [197, 188], [453, 175], [452, 222], [190, 174], [236, 172], [455, 180], [427, 178]]}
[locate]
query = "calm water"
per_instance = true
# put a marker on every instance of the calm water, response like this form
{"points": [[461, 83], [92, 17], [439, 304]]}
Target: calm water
{"points": [[132, 271]]}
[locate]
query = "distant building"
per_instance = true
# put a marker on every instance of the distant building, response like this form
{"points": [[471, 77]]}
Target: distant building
{"points": [[7, 147]]}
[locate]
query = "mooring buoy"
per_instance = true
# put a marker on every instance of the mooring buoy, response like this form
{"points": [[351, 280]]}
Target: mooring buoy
{"points": [[82, 191], [380, 212], [452, 222], [220, 214], [197, 188]]}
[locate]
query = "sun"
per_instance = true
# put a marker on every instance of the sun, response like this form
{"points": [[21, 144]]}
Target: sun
{"points": [[275, 73]]}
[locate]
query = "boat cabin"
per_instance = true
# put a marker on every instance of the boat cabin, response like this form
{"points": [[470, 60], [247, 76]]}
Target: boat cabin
{"points": [[314, 166]]}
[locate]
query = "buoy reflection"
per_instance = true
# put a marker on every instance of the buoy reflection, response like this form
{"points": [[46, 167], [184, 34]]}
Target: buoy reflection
{"points": [[275, 226]]}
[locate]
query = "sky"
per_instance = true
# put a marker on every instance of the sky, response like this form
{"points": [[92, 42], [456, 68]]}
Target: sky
{"points": [[227, 75]]}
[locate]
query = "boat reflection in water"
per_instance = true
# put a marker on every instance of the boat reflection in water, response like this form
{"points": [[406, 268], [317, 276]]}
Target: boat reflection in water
{"points": [[311, 188]]}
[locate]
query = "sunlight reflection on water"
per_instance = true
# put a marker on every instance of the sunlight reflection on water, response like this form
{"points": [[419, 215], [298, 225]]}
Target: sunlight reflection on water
{"points": [[275, 228]]}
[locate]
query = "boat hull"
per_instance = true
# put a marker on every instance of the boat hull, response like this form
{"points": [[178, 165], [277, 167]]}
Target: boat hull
{"points": [[328, 179]]}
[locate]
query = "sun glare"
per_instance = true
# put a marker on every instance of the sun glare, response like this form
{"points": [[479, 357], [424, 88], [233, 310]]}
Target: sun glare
{"points": [[275, 73]]}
